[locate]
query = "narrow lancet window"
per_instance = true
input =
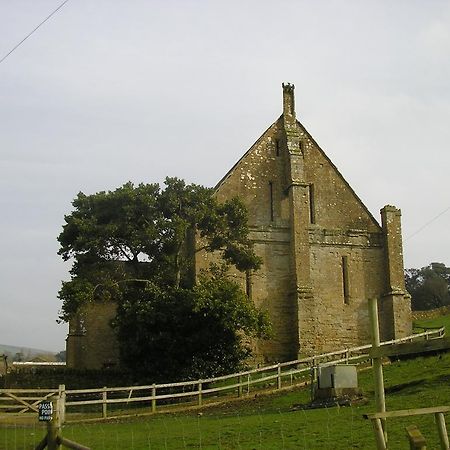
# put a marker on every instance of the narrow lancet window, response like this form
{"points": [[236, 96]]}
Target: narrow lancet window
{"points": [[345, 280], [271, 200], [277, 147], [312, 213]]}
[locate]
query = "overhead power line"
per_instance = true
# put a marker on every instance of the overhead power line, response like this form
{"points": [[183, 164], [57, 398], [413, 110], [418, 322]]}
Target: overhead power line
{"points": [[35, 29], [428, 223]]}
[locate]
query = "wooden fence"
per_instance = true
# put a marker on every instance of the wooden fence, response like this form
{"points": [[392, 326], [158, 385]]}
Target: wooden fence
{"points": [[20, 401], [118, 401], [438, 412]]}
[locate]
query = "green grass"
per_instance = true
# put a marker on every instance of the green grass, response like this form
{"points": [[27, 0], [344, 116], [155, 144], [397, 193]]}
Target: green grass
{"points": [[443, 321], [268, 422]]}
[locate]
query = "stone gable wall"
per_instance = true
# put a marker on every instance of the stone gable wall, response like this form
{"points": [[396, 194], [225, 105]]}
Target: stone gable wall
{"points": [[342, 227], [335, 203]]}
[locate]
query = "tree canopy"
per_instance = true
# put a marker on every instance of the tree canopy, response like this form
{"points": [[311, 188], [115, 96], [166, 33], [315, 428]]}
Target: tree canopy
{"points": [[428, 286], [135, 246]]}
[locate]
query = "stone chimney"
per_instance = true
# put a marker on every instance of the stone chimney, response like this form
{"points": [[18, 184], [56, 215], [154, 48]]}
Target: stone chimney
{"points": [[288, 101]]}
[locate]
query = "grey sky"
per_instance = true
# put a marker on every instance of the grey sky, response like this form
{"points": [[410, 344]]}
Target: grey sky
{"points": [[117, 90]]}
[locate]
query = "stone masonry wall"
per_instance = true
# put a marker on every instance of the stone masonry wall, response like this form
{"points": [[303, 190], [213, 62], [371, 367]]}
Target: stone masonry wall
{"points": [[257, 180], [431, 314], [338, 321], [94, 341]]}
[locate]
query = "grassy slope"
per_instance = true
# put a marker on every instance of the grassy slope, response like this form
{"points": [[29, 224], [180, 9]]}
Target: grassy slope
{"points": [[269, 423], [439, 322]]}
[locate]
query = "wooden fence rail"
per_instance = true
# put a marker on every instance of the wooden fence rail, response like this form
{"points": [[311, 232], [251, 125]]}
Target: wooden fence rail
{"points": [[438, 412], [151, 396]]}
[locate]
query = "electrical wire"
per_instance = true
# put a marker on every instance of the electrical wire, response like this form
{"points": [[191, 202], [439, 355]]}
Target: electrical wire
{"points": [[428, 223], [35, 29]]}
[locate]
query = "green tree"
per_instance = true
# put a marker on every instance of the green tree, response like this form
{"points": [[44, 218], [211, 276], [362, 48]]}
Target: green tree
{"points": [[135, 246], [428, 286], [177, 333]]}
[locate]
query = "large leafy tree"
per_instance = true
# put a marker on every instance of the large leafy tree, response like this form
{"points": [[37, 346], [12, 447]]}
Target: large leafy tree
{"points": [[179, 333], [135, 246], [428, 286]]}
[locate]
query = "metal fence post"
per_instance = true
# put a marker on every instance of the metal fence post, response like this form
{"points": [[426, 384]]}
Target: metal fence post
{"points": [[279, 376]]}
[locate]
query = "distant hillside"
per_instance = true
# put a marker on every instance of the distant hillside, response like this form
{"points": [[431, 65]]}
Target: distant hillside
{"points": [[27, 352]]}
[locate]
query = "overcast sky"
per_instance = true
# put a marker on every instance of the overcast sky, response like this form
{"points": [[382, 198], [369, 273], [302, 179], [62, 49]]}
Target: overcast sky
{"points": [[108, 91]]}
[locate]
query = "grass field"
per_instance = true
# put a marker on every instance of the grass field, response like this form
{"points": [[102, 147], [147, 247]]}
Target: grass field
{"points": [[268, 422], [439, 322]]}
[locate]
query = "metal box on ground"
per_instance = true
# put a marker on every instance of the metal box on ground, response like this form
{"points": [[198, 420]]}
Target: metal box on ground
{"points": [[337, 377], [337, 381]]}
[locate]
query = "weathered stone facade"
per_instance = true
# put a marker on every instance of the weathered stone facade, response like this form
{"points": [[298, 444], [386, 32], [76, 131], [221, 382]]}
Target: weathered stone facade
{"points": [[91, 342], [323, 252]]}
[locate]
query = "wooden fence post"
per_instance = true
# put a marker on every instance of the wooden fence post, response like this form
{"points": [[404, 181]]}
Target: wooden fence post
{"points": [[53, 426], [199, 392], [313, 379], [62, 403], [279, 376], [240, 386], [377, 365], [104, 403], [440, 422], [379, 434], [154, 397], [416, 439]]}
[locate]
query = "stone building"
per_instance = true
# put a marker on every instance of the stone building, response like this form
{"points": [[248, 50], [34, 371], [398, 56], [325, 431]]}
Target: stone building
{"points": [[323, 252]]}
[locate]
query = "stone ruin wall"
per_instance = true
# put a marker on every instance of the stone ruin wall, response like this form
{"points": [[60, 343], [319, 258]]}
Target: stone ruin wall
{"points": [[431, 313], [92, 343]]}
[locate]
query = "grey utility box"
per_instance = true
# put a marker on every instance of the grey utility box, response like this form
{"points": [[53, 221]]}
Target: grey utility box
{"points": [[336, 381], [337, 377]]}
